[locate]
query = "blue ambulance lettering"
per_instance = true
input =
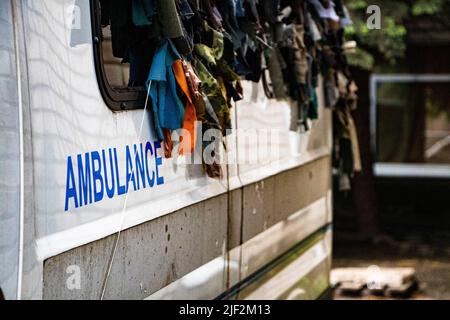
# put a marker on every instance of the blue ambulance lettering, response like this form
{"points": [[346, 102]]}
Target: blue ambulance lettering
{"points": [[95, 176]]}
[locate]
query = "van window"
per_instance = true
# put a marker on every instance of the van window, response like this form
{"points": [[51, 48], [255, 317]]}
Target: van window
{"points": [[121, 87]]}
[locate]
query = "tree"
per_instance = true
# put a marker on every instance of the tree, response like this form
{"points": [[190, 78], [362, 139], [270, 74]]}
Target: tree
{"points": [[388, 43]]}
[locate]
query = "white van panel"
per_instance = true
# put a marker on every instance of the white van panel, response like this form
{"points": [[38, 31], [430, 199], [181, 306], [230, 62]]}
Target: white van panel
{"points": [[9, 154], [207, 282], [70, 118], [65, 116]]}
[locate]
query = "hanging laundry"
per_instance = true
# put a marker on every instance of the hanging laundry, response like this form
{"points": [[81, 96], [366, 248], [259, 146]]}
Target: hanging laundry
{"points": [[143, 12], [190, 116], [168, 110], [276, 65], [117, 15], [214, 51], [325, 9], [211, 88], [192, 55]]}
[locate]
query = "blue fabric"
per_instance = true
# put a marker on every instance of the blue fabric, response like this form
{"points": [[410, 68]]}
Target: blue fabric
{"points": [[239, 8], [167, 107], [143, 12]]}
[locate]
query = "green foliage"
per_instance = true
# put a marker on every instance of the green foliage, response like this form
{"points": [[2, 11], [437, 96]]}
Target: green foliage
{"points": [[361, 59], [427, 7], [389, 42]]}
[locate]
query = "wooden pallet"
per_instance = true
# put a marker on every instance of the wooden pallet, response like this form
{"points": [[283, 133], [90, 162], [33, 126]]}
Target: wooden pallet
{"points": [[374, 281]]}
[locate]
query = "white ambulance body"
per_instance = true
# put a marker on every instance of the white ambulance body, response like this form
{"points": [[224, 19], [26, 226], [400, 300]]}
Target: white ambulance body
{"points": [[73, 225]]}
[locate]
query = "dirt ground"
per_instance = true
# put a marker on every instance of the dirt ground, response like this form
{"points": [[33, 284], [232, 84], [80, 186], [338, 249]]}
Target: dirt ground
{"points": [[413, 222]]}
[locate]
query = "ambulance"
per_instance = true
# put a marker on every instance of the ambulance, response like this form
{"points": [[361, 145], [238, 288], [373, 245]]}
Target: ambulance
{"points": [[74, 225]]}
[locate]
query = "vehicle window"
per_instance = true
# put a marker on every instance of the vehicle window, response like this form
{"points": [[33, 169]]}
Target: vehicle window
{"points": [[121, 69]]}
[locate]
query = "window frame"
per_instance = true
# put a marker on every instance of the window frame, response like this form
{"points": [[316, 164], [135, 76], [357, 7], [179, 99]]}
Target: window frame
{"points": [[402, 170], [134, 98]]}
